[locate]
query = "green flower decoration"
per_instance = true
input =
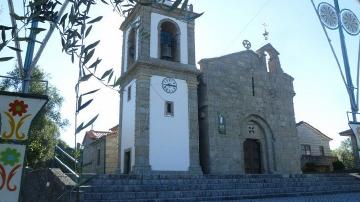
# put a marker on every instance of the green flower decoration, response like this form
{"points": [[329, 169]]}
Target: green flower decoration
{"points": [[9, 156]]}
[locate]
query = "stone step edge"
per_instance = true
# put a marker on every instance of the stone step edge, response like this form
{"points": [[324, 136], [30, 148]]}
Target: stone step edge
{"points": [[111, 181], [347, 183], [102, 176], [213, 183], [131, 192], [234, 197]]}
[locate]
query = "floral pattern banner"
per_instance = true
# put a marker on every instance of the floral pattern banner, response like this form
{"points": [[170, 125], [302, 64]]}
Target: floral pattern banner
{"points": [[16, 113], [11, 165], [16, 116]]}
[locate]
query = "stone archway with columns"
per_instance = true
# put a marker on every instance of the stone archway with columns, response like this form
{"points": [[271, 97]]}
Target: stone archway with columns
{"points": [[256, 128]]}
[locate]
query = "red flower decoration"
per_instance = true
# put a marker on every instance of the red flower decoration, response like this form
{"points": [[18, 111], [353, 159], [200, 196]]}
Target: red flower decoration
{"points": [[18, 107]]}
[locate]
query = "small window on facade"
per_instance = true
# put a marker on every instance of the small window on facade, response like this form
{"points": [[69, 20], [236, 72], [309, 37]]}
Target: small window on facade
{"points": [[129, 93], [305, 149], [221, 124], [322, 152], [169, 108], [98, 157]]}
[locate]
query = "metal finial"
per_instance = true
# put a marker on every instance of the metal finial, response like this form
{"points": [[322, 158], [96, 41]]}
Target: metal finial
{"points": [[266, 33], [246, 44]]}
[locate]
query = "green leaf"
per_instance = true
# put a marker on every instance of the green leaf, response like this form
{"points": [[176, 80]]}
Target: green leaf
{"points": [[15, 49], [37, 30], [79, 101], [88, 31], [117, 82], [88, 56], [22, 39], [95, 20], [106, 73], [175, 5], [79, 128], [94, 64], [17, 17], [184, 6], [110, 76], [3, 27], [84, 105], [91, 46], [3, 38], [85, 77], [91, 121], [91, 92], [105, 2], [3, 59], [2, 45], [63, 18]]}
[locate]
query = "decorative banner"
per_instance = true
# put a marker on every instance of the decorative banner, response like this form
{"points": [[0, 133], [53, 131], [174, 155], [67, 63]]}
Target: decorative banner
{"points": [[16, 116], [355, 127], [11, 166], [17, 110]]}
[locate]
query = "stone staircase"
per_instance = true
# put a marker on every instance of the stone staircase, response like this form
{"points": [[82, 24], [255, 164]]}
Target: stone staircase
{"points": [[213, 187]]}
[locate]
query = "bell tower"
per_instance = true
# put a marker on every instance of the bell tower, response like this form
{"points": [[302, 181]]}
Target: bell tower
{"points": [[158, 96]]}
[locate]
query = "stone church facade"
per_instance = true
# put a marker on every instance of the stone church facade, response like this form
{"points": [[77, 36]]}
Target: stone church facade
{"points": [[247, 121], [233, 116]]}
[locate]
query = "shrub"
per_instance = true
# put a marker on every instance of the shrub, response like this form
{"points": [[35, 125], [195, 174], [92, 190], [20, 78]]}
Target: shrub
{"points": [[338, 165]]}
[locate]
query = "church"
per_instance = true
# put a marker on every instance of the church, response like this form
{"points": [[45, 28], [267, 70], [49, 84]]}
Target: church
{"points": [[234, 115]]}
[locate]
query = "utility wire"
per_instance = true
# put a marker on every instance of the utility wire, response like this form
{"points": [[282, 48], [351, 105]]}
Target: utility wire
{"points": [[247, 25]]}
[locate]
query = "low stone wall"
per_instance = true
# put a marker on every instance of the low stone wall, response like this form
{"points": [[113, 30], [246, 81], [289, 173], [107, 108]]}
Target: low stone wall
{"points": [[321, 163], [46, 185]]}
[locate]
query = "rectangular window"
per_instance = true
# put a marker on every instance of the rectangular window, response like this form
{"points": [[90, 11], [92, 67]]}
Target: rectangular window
{"points": [[322, 152], [129, 93], [305, 149], [169, 108], [98, 157]]}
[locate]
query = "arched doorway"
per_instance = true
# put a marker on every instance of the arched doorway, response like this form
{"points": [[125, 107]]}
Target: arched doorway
{"points": [[252, 156]]}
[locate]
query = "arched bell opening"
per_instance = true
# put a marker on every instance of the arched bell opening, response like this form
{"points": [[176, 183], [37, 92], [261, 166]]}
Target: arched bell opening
{"points": [[169, 41]]}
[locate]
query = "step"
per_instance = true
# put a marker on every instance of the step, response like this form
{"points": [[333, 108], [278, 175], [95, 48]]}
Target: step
{"points": [[213, 193], [206, 186], [105, 182]]}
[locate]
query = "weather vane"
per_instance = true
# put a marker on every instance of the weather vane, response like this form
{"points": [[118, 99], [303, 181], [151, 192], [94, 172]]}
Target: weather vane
{"points": [[266, 33], [246, 44]]}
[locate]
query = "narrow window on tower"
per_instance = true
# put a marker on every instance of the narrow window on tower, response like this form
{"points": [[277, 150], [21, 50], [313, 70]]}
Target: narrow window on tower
{"points": [[131, 47], [129, 93], [169, 108], [253, 86]]}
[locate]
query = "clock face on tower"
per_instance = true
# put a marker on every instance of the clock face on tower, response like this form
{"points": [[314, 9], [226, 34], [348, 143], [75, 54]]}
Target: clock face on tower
{"points": [[169, 85]]}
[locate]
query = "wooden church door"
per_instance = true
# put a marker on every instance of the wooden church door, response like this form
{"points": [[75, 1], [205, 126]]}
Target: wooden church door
{"points": [[252, 156]]}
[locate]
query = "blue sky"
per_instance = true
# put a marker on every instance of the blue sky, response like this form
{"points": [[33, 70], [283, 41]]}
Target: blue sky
{"points": [[295, 31]]}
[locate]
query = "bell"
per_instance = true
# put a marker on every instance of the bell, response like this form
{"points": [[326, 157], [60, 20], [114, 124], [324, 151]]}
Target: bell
{"points": [[166, 51]]}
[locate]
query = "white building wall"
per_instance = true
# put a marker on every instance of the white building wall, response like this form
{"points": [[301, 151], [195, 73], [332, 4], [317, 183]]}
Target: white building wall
{"points": [[169, 136], [309, 136], [128, 123], [154, 37]]}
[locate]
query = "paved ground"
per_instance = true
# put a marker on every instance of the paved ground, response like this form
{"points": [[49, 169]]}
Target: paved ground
{"points": [[349, 197]]}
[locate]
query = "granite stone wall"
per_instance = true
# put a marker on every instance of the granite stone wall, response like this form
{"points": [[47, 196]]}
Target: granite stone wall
{"points": [[242, 88], [47, 185]]}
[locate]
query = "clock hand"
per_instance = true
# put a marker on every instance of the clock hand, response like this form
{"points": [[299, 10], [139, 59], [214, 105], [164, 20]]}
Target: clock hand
{"points": [[171, 85]]}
